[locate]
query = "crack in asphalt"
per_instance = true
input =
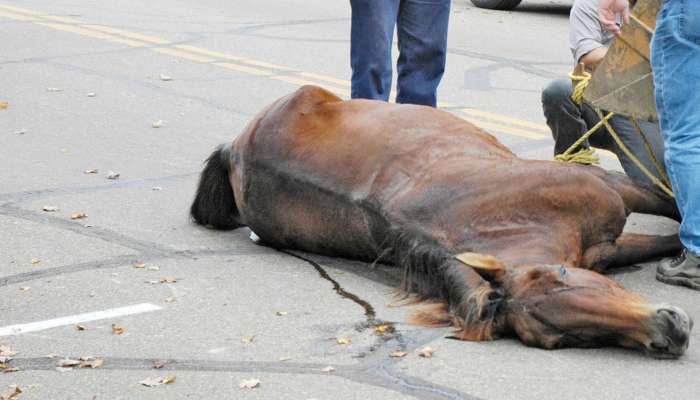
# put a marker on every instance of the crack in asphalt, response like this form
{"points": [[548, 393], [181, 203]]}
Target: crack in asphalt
{"points": [[369, 309], [375, 369], [378, 377]]}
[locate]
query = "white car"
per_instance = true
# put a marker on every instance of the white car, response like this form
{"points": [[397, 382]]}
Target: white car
{"points": [[496, 4]]}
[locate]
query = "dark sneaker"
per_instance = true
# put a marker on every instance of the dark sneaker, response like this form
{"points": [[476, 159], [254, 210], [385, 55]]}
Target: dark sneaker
{"points": [[682, 270]]}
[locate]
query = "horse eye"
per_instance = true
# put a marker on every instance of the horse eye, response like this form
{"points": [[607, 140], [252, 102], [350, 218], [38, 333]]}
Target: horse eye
{"points": [[562, 272]]}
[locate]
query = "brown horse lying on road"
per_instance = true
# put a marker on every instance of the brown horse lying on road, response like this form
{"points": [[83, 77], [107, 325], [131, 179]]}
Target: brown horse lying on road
{"points": [[509, 246]]}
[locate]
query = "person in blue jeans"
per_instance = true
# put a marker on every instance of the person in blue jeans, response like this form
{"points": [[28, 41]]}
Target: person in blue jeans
{"points": [[421, 27], [675, 61]]}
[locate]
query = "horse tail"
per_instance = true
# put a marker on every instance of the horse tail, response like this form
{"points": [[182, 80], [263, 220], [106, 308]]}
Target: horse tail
{"points": [[214, 204]]}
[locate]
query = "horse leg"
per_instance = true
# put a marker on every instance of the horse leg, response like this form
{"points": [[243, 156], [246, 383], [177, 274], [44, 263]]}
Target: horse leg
{"points": [[628, 249], [465, 299], [637, 197]]}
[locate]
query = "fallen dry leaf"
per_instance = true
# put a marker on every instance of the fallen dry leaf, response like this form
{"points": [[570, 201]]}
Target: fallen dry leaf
{"points": [[117, 330], [67, 362], [6, 351], [281, 313], [3, 105], [35, 260], [248, 339], [21, 131], [249, 383], [79, 215], [344, 340], [9, 370], [285, 358], [398, 354], [156, 188], [80, 328], [53, 89], [153, 268], [24, 288], [158, 364], [157, 123], [12, 394], [93, 363], [90, 171], [151, 382], [426, 352], [166, 78], [50, 208], [112, 175], [384, 328], [170, 300], [163, 280], [140, 265], [328, 369], [91, 94]]}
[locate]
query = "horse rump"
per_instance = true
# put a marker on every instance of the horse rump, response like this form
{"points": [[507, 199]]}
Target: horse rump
{"points": [[214, 204]]}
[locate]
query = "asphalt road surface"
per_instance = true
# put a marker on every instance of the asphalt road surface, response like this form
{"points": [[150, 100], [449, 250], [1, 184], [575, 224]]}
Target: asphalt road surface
{"points": [[146, 90]]}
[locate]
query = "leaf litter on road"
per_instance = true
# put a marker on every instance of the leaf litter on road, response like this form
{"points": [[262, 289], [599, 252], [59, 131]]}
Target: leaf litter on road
{"points": [[117, 330], [50, 208], [398, 354], [158, 381], [249, 383], [344, 340], [78, 215], [12, 394], [426, 352]]}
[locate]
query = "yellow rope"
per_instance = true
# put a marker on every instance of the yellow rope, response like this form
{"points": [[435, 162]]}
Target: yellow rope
{"points": [[629, 154], [659, 167], [580, 82], [583, 156], [569, 156]]}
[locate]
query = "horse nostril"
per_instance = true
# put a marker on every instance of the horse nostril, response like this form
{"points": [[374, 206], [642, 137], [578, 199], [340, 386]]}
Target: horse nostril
{"points": [[671, 313]]}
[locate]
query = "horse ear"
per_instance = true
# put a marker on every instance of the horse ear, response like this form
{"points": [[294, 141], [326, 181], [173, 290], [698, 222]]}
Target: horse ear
{"points": [[489, 267]]}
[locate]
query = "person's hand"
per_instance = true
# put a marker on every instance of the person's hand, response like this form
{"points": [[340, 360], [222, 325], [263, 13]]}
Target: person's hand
{"points": [[607, 12]]}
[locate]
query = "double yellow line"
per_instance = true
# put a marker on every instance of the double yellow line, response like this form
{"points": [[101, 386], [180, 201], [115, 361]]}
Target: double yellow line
{"points": [[490, 121]]}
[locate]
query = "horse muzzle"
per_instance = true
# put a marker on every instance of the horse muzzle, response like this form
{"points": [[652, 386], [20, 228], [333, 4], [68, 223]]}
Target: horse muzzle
{"points": [[670, 332]]}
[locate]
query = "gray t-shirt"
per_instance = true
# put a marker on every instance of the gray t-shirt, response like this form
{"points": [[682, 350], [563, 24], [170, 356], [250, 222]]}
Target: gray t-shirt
{"points": [[585, 31]]}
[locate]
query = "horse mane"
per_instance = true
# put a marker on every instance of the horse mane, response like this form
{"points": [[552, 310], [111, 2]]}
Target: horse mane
{"points": [[427, 267]]}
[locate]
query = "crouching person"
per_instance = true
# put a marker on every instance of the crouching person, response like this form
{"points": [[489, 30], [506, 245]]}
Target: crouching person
{"points": [[589, 43]]}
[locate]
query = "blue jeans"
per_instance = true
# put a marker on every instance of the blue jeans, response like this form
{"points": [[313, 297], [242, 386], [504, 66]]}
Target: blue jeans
{"points": [[421, 27], [675, 60]]}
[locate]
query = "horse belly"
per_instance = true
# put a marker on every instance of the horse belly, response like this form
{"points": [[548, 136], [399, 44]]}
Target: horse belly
{"points": [[291, 211]]}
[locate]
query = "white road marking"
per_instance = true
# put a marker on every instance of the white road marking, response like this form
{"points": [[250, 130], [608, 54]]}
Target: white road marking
{"points": [[76, 319]]}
